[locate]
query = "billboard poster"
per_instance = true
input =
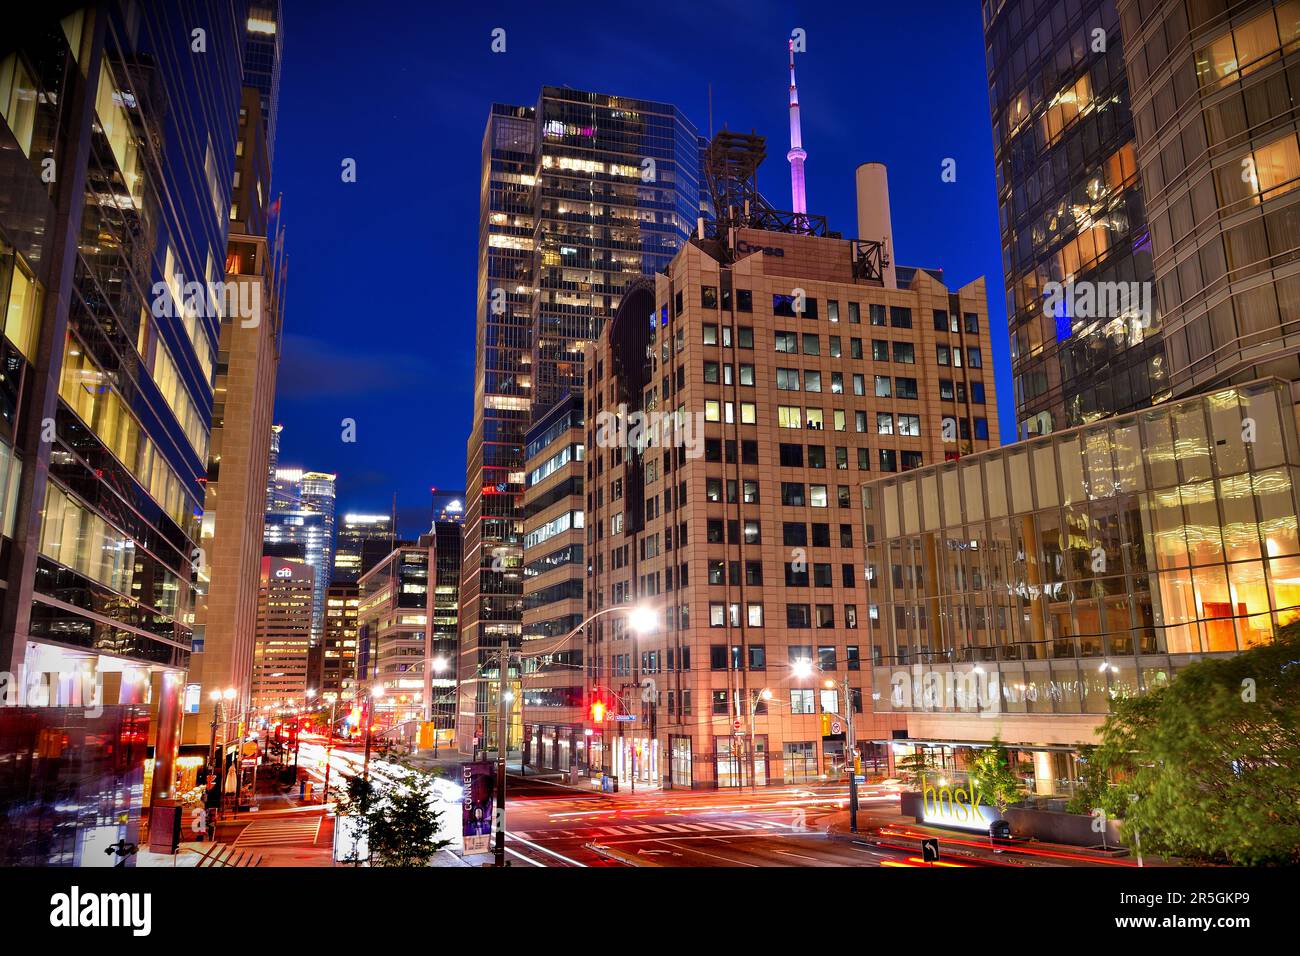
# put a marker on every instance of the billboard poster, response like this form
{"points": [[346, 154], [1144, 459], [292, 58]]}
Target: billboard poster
{"points": [[479, 789]]}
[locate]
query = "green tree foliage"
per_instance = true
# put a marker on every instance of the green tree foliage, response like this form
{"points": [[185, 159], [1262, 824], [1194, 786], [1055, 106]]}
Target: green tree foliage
{"points": [[398, 818], [1208, 767], [991, 772]]}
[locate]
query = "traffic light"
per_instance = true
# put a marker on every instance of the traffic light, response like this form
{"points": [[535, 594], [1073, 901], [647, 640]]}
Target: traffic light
{"points": [[597, 711]]}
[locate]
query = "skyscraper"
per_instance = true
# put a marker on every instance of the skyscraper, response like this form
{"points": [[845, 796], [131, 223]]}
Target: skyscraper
{"points": [[244, 398], [282, 641], [392, 627], [301, 512], [581, 192], [106, 271], [363, 541], [1215, 87], [263, 42], [339, 646], [1071, 208], [445, 541]]}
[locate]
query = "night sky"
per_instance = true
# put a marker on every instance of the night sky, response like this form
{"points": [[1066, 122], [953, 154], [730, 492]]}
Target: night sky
{"points": [[379, 320]]}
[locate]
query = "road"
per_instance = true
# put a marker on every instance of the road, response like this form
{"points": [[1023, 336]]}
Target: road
{"points": [[776, 827], [553, 825]]}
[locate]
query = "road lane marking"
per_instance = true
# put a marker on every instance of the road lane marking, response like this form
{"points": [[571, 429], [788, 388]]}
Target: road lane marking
{"points": [[715, 856]]}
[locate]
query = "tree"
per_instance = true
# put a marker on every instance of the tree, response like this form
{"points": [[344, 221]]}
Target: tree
{"points": [[397, 818], [1208, 767], [991, 773]]}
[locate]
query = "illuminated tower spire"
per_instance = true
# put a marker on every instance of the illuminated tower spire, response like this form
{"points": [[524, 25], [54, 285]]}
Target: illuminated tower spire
{"points": [[796, 155]]}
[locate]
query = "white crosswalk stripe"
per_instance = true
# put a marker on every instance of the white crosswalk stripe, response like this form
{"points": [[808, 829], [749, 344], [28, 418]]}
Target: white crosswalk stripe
{"points": [[279, 832]]}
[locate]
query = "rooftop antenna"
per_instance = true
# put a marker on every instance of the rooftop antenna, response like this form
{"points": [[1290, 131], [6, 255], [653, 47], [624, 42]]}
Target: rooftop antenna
{"points": [[798, 196]]}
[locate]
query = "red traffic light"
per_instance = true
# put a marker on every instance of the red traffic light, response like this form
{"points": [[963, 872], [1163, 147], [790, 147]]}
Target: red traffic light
{"points": [[598, 711]]}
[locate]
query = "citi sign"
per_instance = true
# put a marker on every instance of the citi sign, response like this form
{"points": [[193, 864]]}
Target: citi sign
{"points": [[745, 248]]}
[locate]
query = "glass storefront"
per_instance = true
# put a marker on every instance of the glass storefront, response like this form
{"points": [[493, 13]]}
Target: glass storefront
{"points": [[1056, 575]]}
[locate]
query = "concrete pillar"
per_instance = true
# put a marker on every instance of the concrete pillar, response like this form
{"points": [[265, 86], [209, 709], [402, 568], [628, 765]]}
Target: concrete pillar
{"points": [[874, 222], [1044, 776], [168, 739]]}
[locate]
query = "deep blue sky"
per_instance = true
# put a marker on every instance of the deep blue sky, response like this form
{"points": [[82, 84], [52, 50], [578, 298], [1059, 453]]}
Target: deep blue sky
{"points": [[380, 307]]}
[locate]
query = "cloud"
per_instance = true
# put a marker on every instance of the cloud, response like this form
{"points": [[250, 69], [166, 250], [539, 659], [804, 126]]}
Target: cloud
{"points": [[312, 369]]}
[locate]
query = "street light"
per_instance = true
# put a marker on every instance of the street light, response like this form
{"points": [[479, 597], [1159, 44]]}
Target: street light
{"points": [[218, 697], [763, 696], [376, 692], [641, 618], [804, 668]]}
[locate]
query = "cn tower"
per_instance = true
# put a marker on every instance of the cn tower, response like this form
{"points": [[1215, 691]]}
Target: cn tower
{"points": [[796, 155]]}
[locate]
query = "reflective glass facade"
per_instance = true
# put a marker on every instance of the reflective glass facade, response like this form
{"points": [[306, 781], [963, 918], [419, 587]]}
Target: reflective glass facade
{"points": [[1070, 206], [1051, 576], [1216, 92]]}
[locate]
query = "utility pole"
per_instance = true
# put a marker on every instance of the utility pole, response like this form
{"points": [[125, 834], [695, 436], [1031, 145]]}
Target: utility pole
{"points": [[329, 753], [503, 737], [851, 755]]}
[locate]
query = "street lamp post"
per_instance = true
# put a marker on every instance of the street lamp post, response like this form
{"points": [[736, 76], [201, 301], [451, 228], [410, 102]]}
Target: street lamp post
{"points": [[805, 669], [218, 718], [376, 692], [640, 618], [763, 696]]}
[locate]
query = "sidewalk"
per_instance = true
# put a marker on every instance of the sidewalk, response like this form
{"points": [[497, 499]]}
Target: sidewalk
{"points": [[898, 829]]}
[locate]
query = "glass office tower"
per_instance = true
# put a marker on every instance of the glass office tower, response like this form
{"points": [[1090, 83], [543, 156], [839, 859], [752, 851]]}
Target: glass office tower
{"points": [[1216, 87], [109, 351], [580, 192], [1070, 207]]}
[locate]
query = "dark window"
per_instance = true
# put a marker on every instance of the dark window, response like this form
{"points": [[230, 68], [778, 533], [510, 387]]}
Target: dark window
{"points": [[797, 616], [794, 534]]}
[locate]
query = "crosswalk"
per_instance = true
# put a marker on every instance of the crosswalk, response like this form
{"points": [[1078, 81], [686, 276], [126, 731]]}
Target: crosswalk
{"points": [[281, 831], [657, 829]]}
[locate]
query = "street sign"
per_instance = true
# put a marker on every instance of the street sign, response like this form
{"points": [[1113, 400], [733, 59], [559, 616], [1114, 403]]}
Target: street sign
{"points": [[837, 727], [736, 724], [622, 717], [930, 850]]}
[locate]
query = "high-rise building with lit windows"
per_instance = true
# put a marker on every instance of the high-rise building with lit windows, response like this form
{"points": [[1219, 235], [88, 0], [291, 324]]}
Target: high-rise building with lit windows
{"points": [[363, 541], [300, 512], [263, 45], [339, 646], [110, 351], [580, 192], [236, 487], [1071, 206], [1215, 93]]}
